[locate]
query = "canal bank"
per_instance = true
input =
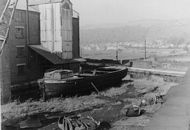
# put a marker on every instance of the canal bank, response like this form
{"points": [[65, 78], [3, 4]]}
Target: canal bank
{"points": [[110, 105], [175, 113]]}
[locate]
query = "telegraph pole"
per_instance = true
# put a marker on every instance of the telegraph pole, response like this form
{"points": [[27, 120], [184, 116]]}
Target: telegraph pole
{"points": [[117, 53], [145, 49]]}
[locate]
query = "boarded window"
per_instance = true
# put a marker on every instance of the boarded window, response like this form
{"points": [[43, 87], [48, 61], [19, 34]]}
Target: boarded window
{"points": [[21, 69], [20, 51], [19, 32]]}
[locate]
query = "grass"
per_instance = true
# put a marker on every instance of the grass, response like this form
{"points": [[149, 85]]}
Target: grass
{"points": [[18, 110], [115, 91], [15, 110]]}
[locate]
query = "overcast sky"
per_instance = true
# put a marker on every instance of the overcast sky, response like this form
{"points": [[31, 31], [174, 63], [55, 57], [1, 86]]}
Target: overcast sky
{"points": [[120, 11]]}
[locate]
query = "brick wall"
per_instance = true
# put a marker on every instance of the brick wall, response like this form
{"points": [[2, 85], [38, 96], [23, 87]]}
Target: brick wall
{"points": [[17, 42]]}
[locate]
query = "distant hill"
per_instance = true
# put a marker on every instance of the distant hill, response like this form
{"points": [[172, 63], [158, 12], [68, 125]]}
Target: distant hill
{"points": [[175, 31]]}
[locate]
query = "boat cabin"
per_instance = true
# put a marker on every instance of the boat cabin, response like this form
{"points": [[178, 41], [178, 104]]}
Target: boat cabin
{"points": [[58, 74]]}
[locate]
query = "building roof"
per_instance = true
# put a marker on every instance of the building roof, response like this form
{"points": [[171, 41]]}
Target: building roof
{"points": [[53, 58]]}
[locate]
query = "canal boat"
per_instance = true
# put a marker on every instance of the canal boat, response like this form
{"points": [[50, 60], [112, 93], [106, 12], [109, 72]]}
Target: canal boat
{"points": [[66, 83]]}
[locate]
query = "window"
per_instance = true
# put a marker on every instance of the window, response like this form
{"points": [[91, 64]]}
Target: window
{"points": [[20, 51], [21, 69], [19, 32], [18, 16], [66, 6]]}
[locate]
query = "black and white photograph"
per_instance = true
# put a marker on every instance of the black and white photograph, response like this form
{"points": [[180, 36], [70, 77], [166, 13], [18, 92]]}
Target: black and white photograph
{"points": [[95, 64]]}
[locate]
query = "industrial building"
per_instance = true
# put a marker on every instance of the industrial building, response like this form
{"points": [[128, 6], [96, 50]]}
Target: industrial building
{"points": [[38, 41]]}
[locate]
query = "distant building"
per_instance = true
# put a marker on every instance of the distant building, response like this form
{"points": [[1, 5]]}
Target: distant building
{"points": [[22, 63]]}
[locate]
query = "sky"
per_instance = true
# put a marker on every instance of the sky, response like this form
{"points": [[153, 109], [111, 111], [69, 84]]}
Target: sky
{"points": [[95, 12]]}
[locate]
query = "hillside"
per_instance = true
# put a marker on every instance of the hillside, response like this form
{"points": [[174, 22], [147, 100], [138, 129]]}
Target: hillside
{"points": [[173, 31]]}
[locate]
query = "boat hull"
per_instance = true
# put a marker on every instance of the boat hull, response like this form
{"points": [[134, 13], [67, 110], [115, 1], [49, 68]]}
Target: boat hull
{"points": [[84, 85]]}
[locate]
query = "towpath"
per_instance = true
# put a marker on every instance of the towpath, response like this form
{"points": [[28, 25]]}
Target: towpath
{"points": [[157, 71], [175, 113]]}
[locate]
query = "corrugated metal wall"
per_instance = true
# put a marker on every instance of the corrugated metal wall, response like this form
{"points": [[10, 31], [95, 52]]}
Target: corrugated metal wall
{"points": [[50, 27], [56, 28], [66, 29]]}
